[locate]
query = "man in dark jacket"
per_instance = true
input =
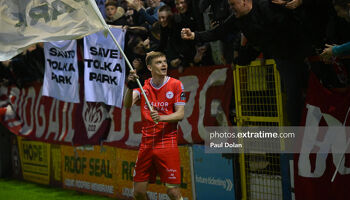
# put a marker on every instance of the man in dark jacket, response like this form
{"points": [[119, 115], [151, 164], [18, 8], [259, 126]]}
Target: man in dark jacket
{"points": [[180, 53], [277, 34], [266, 25]]}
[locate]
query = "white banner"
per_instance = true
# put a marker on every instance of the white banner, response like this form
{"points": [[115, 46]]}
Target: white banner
{"points": [[104, 73], [61, 79], [27, 22]]}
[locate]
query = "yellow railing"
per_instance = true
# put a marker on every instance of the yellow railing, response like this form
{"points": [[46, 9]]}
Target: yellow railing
{"points": [[259, 103]]}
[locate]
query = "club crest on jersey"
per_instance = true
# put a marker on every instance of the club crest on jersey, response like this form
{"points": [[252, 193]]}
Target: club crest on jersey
{"points": [[169, 95]]}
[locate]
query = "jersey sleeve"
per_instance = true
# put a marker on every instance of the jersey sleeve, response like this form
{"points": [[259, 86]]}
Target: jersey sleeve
{"points": [[180, 97], [138, 91]]}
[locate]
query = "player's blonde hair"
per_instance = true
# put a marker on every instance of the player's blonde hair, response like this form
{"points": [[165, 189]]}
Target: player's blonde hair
{"points": [[152, 55]]}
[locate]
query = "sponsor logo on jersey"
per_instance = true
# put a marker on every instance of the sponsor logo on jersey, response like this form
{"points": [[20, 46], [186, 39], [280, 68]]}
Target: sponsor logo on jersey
{"points": [[171, 173], [159, 106]]}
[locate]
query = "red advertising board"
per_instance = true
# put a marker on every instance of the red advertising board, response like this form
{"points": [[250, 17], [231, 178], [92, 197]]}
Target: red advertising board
{"points": [[28, 114]]}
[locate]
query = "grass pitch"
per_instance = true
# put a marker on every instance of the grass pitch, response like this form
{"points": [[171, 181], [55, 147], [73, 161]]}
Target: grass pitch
{"points": [[11, 189]]}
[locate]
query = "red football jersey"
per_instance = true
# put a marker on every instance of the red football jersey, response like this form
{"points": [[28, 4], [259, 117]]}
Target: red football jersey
{"points": [[163, 99]]}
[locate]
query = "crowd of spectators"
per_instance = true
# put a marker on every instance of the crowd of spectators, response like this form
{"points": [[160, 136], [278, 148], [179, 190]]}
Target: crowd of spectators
{"points": [[152, 25], [299, 34]]}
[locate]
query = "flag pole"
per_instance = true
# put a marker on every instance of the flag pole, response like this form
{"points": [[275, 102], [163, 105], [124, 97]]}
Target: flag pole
{"points": [[340, 161], [343, 154], [131, 68], [99, 15]]}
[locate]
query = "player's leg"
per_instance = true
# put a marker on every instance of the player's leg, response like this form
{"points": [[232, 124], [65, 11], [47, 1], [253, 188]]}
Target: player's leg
{"points": [[140, 190], [173, 191], [142, 173], [167, 162]]}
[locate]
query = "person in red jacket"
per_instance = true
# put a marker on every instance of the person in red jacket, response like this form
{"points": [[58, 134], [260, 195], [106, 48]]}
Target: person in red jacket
{"points": [[158, 153]]}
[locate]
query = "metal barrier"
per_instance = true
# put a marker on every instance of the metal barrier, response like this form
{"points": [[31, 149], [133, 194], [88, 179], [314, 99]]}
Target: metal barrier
{"points": [[259, 103]]}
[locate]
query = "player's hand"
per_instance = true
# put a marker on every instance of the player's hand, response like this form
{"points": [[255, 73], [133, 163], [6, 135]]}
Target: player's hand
{"points": [[131, 81], [132, 76], [187, 34], [155, 116]]}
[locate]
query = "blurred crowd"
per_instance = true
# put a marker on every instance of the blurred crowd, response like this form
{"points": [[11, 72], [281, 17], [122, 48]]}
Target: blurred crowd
{"points": [[301, 35], [151, 25]]}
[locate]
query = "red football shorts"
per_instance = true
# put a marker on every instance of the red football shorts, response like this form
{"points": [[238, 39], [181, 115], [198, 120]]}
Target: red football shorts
{"points": [[163, 161]]}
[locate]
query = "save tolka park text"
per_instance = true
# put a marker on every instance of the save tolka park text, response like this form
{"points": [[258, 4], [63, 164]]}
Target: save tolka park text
{"points": [[61, 66], [103, 76]]}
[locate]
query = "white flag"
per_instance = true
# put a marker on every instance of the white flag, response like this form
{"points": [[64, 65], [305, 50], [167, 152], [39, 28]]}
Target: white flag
{"points": [[61, 79], [26, 22], [104, 72]]}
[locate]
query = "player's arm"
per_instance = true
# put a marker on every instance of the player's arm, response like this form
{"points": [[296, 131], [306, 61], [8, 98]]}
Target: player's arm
{"points": [[178, 115], [131, 97]]}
